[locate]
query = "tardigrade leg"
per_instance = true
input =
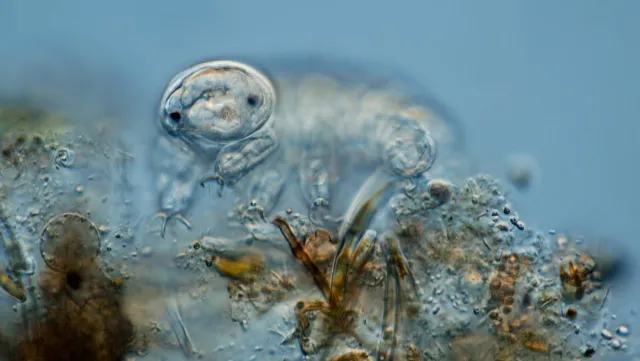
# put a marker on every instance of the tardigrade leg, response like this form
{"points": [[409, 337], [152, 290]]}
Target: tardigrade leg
{"points": [[237, 159], [177, 175], [263, 188], [316, 176]]}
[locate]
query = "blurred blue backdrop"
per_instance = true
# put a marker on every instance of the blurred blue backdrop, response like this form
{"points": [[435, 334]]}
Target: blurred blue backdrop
{"points": [[555, 79]]}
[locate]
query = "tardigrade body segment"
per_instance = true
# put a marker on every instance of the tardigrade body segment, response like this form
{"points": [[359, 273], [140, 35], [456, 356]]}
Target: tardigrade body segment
{"points": [[217, 102], [220, 121]]}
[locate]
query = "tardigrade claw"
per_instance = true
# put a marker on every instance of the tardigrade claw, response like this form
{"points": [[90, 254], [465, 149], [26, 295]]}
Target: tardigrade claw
{"points": [[165, 218], [260, 211], [185, 222], [214, 178], [320, 213], [255, 207]]}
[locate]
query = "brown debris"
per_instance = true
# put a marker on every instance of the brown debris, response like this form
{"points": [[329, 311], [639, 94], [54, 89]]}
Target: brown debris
{"points": [[81, 316]]}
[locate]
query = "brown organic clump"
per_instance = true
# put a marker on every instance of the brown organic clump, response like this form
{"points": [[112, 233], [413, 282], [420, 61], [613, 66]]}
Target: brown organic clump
{"points": [[81, 316]]}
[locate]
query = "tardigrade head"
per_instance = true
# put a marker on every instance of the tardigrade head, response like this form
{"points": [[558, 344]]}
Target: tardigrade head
{"points": [[216, 101]]}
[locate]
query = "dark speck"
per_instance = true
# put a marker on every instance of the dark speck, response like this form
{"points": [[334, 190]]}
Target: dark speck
{"points": [[588, 351], [252, 100], [73, 280], [175, 116]]}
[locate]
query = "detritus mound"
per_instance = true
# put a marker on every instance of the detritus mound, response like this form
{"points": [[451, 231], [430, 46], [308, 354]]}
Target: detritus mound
{"points": [[80, 316]]}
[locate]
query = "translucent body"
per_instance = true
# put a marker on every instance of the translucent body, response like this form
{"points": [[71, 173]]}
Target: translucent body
{"points": [[221, 120]]}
